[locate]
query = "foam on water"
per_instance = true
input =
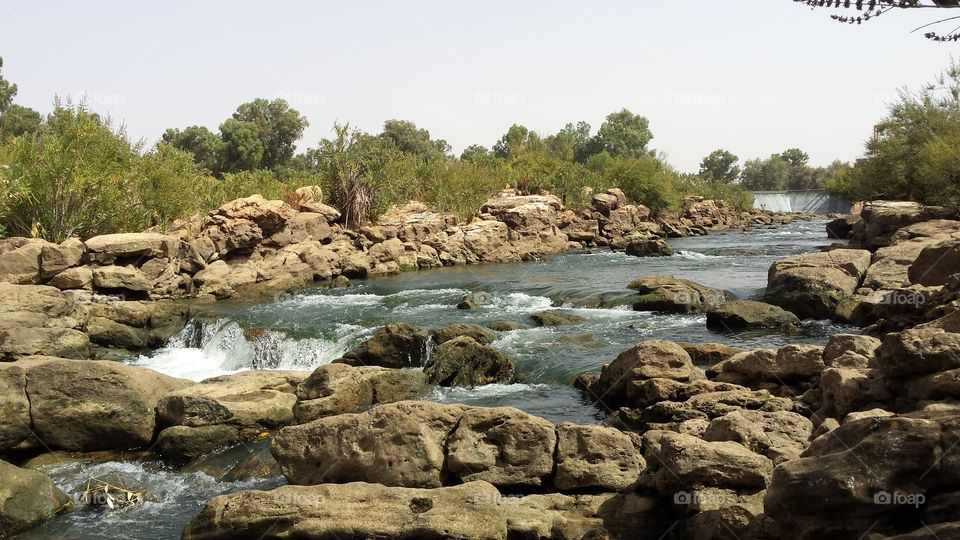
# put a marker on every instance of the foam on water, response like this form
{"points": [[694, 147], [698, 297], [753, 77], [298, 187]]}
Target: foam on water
{"points": [[456, 395], [203, 350]]}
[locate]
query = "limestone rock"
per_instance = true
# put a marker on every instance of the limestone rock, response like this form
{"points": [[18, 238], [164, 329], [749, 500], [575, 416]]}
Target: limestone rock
{"points": [[462, 361]]}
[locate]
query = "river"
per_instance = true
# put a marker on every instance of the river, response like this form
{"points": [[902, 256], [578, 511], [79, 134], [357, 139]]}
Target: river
{"points": [[312, 327]]}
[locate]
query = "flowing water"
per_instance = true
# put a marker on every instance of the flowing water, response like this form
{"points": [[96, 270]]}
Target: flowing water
{"points": [[316, 326]]}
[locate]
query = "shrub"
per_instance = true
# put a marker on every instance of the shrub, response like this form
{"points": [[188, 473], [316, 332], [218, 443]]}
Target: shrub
{"points": [[645, 180]]}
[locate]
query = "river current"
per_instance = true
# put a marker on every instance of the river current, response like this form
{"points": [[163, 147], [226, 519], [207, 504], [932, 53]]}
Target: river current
{"points": [[315, 326]]}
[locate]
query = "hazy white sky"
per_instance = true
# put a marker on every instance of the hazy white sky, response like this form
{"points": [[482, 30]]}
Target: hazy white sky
{"points": [[752, 76]]}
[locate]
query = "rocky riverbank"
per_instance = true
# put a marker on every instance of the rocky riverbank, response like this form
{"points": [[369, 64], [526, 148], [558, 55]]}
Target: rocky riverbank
{"points": [[726, 451]]}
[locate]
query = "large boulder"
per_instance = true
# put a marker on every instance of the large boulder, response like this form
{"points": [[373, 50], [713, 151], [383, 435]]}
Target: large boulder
{"points": [[91, 405], [813, 284], [396, 345], [648, 247], [269, 216], [918, 351], [252, 401], [123, 278], [475, 510], [787, 365], [869, 474], [37, 319], [504, 446], [674, 295], [462, 361], [131, 247], [749, 314], [479, 334], [20, 260], [556, 318], [935, 263], [334, 389], [399, 444], [778, 435], [882, 219], [620, 381], [685, 462], [597, 458], [27, 498]]}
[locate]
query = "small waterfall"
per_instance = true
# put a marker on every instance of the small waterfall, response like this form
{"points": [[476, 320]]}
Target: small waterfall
{"points": [[772, 202]]}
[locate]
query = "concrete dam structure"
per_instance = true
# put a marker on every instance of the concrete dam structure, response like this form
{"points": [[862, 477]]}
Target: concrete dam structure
{"points": [[814, 201]]}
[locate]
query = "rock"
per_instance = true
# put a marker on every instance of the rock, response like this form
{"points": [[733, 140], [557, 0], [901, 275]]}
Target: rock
{"points": [[473, 301], [56, 258], [396, 345], [108, 248], [780, 435], [398, 444], [556, 318], [846, 481], [462, 361], [850, 351], [27, 498], [936, 263], [269, 216], [478, 333], [340, 282], [334, 389], [708, 354], [597, 458], [504, 446], [882, 219], [92, 405], [842, 228], [918, 351], [605, 203], [252, 401], [506, 326], [582, 341], [748, 314], [785, 366], [80, 277], [686, 462], [674, 295], [474, 510], [813, 284], [21, 265], [184, 443], [647, 360], [126, 278], [29, 341], [654, 247]]}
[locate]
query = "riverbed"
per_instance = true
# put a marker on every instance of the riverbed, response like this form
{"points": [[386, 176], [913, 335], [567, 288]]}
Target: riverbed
{"points": [[311, 327]]}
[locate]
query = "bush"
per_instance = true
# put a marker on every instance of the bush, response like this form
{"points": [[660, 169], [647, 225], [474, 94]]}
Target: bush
{"points": [[461, 187], [645, 180], [735, 194]]}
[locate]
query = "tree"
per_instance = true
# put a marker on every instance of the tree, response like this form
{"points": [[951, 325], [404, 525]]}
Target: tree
{"points": [[645, 180], [720, 166], [868, 10], [15, 120], [625, 134], [206, 146], [261, 134], [475, 152], [516, 140], [765, 174], [409, 139], [795, 157], [573, 143]]}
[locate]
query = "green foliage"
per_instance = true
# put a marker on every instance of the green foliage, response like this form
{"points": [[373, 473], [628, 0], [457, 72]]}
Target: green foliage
{"points": [[7, 91], [207, 147], [720, 166], [784, 171], [515, 141], [735, 194], [914, 154], [407, 138], [462, 186], [646, 180], [170, 185], [625, 134], [475, 152], [364, 175], [15, 120]]}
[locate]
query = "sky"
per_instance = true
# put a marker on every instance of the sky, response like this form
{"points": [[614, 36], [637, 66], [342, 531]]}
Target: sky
{"points": [[751, 76]]}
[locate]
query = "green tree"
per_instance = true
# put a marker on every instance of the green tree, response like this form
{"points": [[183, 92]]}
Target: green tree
{"points": [[515, 141], [867, 11], [7, 91], [645, 180], [18, 120], [475, 152], [261, 134], [573, 143], [207, 147], [720, 166], [625, 134], [765, 174], [409, 139], [795, 157]]}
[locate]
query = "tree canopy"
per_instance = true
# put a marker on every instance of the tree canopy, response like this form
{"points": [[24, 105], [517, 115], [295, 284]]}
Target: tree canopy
{"points": [[720, 166], [861, 11]]}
